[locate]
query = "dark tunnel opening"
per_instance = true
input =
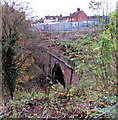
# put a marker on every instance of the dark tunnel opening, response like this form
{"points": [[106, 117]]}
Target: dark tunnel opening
{"points": [[57, 75]]}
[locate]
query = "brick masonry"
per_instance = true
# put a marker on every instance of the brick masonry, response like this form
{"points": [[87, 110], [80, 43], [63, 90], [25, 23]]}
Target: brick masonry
{"points": [[46, 61]]}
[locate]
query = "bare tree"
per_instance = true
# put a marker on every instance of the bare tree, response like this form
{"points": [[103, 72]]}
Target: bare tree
{"points": [[15, 26]]}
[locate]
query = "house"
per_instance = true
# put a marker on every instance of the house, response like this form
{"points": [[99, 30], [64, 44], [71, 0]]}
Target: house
{"points": [[63, 19], [77, 16], [50, 19], [74, 17]]}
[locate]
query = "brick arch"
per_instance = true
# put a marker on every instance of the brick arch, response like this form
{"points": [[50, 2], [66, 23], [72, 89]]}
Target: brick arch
{"points": [[47, 62], [57, 75]]}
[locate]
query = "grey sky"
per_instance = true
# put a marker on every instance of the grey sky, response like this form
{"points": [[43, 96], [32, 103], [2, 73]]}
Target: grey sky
{"points": [[42, 8]]}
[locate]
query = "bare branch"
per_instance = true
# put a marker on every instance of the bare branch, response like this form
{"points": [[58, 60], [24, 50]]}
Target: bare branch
{"points": [[22, 62]]}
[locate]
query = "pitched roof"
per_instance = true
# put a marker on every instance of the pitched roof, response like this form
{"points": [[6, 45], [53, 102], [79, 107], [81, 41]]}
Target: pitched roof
{"points": [[51, 17], [75, 14], [63, 18]]}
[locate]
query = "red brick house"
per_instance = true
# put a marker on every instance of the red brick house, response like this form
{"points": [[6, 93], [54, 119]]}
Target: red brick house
{"points": [[77, 16], [74, 17]]}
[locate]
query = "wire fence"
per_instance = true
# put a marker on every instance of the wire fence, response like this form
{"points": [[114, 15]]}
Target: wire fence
{"points": [[90, 24]]}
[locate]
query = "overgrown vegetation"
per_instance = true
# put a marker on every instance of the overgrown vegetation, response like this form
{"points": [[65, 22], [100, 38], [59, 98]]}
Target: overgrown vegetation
{"points": [[96, 62], [95, 57], [14, 22], [63, 103]]}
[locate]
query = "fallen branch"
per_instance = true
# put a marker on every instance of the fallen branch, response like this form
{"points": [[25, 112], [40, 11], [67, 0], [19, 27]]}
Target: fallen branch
{"points": [[105, 112]]}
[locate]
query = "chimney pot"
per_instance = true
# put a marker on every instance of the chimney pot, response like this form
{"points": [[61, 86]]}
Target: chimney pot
{"points": [[60, 15], [78, 9]]}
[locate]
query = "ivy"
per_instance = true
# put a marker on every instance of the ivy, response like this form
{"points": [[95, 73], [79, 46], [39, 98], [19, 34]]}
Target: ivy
{"points": [[9, 65]]}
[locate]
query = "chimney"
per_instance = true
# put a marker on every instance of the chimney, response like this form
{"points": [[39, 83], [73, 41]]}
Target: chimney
{"points": [[78, 9], [60, 15]]}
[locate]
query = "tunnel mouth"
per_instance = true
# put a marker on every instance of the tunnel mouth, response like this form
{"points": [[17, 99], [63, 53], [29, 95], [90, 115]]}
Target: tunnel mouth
{"points": [[57, 75]]}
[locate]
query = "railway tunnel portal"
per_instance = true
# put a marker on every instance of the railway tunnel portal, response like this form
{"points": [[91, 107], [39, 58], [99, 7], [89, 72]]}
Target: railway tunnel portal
{"points": [[56, 67]]}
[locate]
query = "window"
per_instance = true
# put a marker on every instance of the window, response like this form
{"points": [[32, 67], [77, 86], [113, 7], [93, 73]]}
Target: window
{"points": [[73, 19]]}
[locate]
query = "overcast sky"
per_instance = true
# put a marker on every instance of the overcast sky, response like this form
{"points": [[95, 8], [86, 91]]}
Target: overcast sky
{"points": [[43, 8]]}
